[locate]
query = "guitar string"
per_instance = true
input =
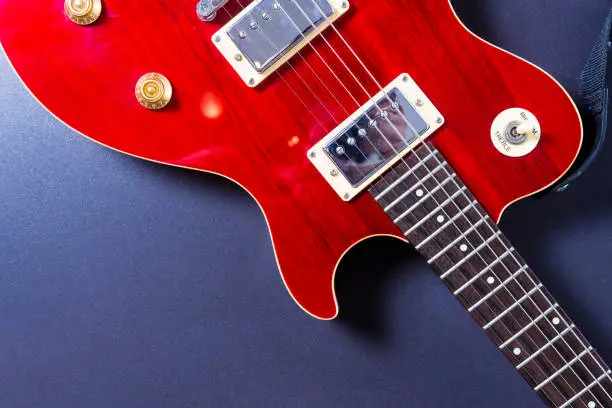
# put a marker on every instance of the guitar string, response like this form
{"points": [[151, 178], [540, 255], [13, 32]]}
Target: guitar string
{"points": [[360, 84], [345, 88], [512, 254], [314, 94], [515, 278], [497, 297], [368, 95], [360, 106], [538, 327]]}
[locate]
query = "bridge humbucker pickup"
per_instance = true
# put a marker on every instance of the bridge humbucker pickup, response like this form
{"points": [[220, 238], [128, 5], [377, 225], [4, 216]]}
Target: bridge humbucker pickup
{"points": [[375, 137], [267, 33]]}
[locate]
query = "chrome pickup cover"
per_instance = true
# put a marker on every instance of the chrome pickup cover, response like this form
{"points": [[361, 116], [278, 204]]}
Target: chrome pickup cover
{"points": [[375, 137], [269, 32]]}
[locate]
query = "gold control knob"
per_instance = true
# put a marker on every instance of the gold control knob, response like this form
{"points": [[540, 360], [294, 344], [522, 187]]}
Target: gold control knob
{"points": [[153, 91], [83, 12]]}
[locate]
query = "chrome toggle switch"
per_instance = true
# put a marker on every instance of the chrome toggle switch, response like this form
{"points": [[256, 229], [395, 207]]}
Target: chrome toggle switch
{"points": [[515, 132]]}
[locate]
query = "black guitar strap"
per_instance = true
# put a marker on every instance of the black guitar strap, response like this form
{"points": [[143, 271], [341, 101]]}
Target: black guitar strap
{"points": [[595, 88]]}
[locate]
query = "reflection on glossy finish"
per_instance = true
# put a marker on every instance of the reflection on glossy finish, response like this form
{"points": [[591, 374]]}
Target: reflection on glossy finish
{"points": [[212, 107], [469, 81], [379, 135]]}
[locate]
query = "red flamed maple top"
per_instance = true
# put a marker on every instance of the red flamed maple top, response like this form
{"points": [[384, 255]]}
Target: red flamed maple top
{"points": [[259, 137]]}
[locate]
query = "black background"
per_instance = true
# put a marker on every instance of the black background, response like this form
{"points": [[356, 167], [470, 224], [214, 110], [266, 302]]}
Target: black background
{"points": [[130, 284]]}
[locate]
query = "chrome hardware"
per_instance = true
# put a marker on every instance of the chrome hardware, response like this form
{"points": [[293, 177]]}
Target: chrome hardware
{"points": [[269, 32], [271, 38], [207, 9], [375, 137]]}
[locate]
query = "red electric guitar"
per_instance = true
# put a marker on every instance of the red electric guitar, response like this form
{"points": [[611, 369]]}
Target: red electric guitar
{"points": [[344, 119]]}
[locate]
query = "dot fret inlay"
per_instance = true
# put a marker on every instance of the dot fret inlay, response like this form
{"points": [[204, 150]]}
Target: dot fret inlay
{"points": [[454, 234]]}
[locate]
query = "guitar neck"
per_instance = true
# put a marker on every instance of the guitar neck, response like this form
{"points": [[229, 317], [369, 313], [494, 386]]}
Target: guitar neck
{"points": [[437, 213]]}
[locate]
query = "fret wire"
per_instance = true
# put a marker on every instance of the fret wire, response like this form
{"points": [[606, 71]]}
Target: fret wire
{"points": [[426, 197], [431, 194], [456, 241], [362, 64], [487, 242], [580, 340], [431, 214], [562, 369], [561, 393], [573, 391], [587, 389], [589, 349], [566, 380], [485, 270], [396, 183], [546, 298], [334, 51], [414, 187], [546, 346], [529, 326], [468, 256], [517, 303], [434, 234], [497, 289]]}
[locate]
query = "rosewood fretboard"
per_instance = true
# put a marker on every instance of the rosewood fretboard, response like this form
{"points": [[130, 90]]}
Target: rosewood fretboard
{"points": [[451, 230]]}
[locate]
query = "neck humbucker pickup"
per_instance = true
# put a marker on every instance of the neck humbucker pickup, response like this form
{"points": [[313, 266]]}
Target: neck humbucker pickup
{"points": [[267, 33]]}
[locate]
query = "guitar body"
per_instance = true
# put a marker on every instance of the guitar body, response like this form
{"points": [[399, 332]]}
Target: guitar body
{"points": [[259, 137]]}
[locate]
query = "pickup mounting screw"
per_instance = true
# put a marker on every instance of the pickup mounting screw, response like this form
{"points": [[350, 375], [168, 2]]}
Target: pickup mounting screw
{"points": [[312, 155], [345, 4], [419, 102], [439, 121], [238, 57], [251, 81], [217, 38], [334, 173], [347, 196]]}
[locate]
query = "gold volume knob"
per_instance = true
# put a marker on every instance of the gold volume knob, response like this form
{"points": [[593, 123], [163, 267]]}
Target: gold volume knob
{"points": [[83, 12], [153, 91]]}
